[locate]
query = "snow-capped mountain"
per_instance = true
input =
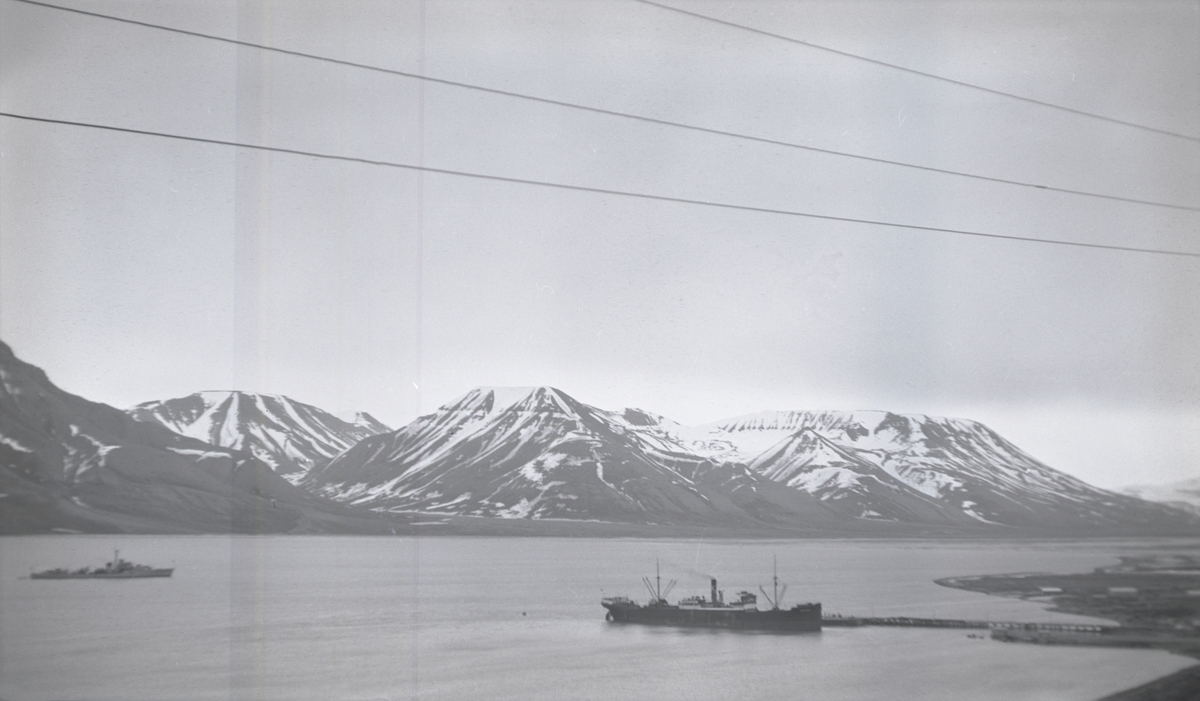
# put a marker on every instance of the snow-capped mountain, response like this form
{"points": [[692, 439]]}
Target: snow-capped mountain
{"points": [[529, 453], [70, 464], [1184, 494], [368, 424], [538, 453], [875, 464], [290, 436]]}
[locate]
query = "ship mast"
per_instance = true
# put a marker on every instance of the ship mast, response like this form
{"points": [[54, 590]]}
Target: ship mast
{"points": [[657, 595], [656, 589], [775, 579], [775, 576]]}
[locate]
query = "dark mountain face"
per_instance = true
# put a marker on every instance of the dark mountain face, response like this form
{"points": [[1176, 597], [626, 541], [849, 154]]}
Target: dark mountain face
{"points": [[289, 436], [70, 464], [540, 454]]}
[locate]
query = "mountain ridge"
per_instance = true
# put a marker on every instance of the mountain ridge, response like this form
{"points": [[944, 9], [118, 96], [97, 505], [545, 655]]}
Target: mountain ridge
{"points": [[68, 464], [290, 436], [545, 455], [839, 467], [71, 464], [524, 461]]}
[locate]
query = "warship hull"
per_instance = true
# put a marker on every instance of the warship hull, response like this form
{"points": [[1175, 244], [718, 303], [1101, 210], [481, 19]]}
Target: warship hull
{"points": [[117, 569], [103, 575]]}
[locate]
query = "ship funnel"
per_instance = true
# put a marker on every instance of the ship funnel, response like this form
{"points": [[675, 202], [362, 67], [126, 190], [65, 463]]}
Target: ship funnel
{"points": [[714, 590]]}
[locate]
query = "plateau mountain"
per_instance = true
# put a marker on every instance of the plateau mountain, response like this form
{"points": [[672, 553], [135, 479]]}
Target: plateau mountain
{"points": [[880, 465]]}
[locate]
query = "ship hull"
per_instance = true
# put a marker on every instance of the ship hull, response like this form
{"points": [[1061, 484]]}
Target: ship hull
{"points": [[102, 575], [804, 618]]}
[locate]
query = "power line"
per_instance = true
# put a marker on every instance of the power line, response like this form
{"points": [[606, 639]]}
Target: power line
{"points": [[913, 71], [614, 113], [597, 190]]}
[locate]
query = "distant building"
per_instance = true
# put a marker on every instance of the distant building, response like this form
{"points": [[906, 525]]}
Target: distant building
{"points": [[1051, 590]]}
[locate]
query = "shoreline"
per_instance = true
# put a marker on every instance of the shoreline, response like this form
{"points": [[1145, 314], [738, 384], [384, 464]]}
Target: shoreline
{"points": [[453, 525], [1154, 598], [1183, 685]]}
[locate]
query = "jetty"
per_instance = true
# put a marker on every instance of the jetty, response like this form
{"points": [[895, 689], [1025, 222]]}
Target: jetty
{"points": [[909, 622], [1183, 642]]}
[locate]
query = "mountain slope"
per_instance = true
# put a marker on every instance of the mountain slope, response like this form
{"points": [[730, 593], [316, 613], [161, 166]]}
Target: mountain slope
{"points": [[290, 436], [538, 453], [69, 464], [1184, 494], [813, 464], [927, 469], [519, 456]]}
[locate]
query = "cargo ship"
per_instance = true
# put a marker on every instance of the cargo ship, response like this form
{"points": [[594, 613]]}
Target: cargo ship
{"points": [[117, 569], [741, 613]]}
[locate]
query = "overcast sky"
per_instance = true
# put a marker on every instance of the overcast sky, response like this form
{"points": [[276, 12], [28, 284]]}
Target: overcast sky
{"points": [[136, 267]]}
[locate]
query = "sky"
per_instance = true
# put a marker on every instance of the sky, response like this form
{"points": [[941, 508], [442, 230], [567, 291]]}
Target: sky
{"points": [[137, 267]]}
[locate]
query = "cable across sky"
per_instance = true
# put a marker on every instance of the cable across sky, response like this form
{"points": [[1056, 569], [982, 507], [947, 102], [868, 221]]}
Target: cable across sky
{"points": [[913, 71], [597, 190], [663, 122]]}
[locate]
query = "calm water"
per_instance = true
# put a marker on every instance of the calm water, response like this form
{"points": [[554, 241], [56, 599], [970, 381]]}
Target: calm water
{"points": [[457, 618]]}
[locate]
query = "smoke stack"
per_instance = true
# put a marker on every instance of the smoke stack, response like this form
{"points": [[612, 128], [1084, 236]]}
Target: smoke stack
{"points": [[714, 591]]}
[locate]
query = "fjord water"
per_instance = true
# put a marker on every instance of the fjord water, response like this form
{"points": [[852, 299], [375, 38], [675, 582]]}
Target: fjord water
{"points": [[357, 618]]}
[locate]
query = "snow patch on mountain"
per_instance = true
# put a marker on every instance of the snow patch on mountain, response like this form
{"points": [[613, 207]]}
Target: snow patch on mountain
{"points": [[505, 397], [824, 478], [198, 453], [83, 453], [531, 473], [968, 508], [364, 421], [11, 384], [12, 443]]}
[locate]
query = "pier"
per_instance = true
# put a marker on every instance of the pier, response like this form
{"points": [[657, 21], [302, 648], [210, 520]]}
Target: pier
{"points": [[909, 622], [1182, 642]]}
